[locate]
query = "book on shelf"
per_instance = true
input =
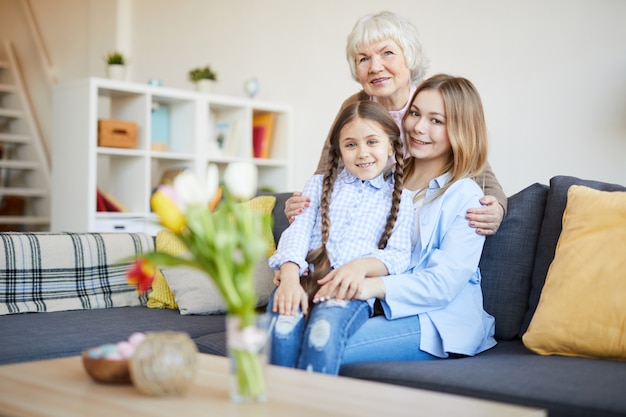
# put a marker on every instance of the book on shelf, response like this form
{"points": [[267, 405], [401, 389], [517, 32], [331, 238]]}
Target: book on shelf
{"points": [[108, 203], [221, 138], [160, 128], [226, 138], [262, 129]]}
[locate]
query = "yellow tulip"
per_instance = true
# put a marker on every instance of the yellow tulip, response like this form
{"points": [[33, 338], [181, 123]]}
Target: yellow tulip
{"points": [[164, 204]]}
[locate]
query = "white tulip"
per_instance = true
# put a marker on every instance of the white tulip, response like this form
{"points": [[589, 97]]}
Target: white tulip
{"points": [[190, 190], [241, 179], [212, 180]]}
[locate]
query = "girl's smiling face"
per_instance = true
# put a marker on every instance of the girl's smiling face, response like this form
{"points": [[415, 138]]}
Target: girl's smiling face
{"points": [[365, 148], [425, 128]]}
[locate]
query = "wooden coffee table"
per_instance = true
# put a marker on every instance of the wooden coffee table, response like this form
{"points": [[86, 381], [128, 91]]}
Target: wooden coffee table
{"points": [[60, 387]]}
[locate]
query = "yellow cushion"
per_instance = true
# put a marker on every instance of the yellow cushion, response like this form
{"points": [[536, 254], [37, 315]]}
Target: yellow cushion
{"points": [[581, 310], [161, 295], [265, 204]]}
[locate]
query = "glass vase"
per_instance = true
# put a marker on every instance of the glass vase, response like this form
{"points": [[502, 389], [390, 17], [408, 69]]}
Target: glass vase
{"points": [[248, 352]]}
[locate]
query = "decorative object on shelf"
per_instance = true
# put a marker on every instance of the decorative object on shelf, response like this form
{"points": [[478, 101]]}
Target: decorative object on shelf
{"points": [[203, 78], [225, 243], [251, 87], [155, 83], [117, 133], [116, 66], [164, 363]]}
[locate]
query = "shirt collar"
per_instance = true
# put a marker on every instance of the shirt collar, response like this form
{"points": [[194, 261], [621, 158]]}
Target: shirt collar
{"points": [[348, 177], [440, 181]]}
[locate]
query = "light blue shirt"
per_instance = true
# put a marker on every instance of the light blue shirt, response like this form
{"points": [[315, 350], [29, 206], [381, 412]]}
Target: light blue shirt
{"points": [[358, 214], [442, 286]]}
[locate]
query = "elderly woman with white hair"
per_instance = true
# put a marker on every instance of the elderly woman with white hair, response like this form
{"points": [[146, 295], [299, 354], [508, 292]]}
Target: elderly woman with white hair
{"points": [[385, 56]]}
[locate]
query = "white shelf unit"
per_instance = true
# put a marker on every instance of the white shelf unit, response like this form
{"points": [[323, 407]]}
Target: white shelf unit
{"points": [[80, 167]]}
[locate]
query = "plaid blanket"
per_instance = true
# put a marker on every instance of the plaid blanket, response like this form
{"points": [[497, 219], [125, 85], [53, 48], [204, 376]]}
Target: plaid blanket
{"points": [[68, 271]]}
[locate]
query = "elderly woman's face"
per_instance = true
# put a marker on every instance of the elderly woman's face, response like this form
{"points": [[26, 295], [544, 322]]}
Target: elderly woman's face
{"points": [[381, 69]]}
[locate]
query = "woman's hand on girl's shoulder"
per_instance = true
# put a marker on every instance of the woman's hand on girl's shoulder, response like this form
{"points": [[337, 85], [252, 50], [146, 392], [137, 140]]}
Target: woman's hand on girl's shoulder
{"points": [[486, 219], [295, 205]]}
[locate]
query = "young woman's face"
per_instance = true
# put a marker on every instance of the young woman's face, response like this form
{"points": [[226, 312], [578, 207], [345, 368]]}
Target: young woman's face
{"points": [[365, 148], [381, 69], [425, 128]]}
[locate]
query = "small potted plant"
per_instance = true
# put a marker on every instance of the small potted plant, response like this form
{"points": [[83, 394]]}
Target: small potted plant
{"points": [[203, 78], [116, 65]]}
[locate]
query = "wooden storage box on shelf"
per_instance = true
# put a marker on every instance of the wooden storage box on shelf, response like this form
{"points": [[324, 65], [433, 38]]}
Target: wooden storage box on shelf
{"points": [[117, 133]]}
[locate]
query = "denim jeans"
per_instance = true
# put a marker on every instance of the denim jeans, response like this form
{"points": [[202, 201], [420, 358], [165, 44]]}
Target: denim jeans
{"points": [[316, 343], [380, 339]]}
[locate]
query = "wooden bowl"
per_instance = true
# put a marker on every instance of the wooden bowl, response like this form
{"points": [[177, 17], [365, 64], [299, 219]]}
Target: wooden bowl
{"points": [[107, 370]]}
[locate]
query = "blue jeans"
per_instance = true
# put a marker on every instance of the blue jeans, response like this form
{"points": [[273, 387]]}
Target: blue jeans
{"points": [[316, 343], [380, 339]]}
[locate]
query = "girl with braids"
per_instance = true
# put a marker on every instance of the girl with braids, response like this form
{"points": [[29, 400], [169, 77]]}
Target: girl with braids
{"points": [[435, 309], [358, 225]]}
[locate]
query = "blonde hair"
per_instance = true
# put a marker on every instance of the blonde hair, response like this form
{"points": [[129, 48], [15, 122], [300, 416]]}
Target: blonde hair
{"points": [[466, 126], [367, 110], [373, 28]]}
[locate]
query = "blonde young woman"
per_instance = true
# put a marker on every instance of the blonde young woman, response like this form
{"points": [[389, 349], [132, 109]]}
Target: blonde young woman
{"points": [[358, 225], [435, 309], [385, 57]]}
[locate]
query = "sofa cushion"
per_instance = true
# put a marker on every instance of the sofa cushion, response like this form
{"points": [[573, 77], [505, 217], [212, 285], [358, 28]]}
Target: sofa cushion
{"points": [[581, 309], [194, 292], [67, 271], [213, 343], [507, 260], [34, 336], [161, 295], [280, 221], [508, 372], [550, 231]]}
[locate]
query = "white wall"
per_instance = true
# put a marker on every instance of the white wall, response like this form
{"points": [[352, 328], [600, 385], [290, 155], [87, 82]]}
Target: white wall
{"points": [[552, 73]]}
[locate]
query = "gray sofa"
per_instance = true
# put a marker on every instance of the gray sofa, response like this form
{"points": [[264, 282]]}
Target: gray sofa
{"points": [[514, 265]]}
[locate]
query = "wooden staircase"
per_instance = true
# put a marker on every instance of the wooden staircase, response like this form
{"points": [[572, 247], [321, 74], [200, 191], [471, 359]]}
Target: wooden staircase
{"points": [[24, 166]]}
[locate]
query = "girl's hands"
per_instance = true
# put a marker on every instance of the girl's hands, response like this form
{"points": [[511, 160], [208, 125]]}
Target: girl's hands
{"points": [[343, 283], [486, 219], [289, 295], [295, 205]]}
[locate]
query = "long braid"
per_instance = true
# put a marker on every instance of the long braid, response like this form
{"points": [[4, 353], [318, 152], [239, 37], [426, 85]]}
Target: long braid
{"points": [[398, 183], [319, 257]]}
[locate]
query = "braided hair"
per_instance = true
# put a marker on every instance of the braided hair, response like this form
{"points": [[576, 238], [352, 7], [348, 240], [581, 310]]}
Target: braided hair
{"points": [[367, 110]]}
